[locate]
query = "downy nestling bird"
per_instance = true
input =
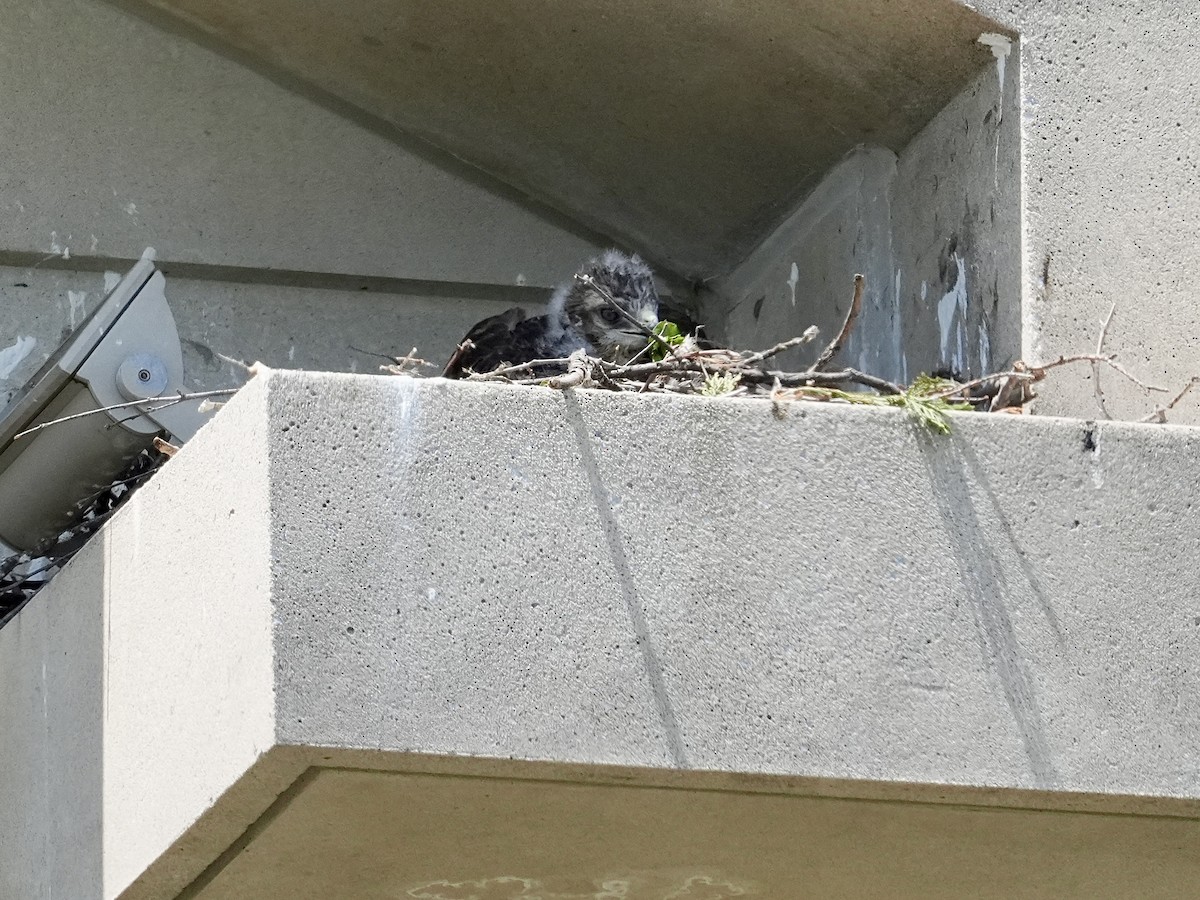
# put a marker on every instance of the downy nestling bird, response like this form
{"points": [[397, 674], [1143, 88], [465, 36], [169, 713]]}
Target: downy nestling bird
{"points": [[578, 317]]}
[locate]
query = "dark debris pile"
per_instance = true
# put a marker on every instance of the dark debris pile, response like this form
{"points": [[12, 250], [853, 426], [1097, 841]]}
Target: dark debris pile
{"points": [[23, 575]]}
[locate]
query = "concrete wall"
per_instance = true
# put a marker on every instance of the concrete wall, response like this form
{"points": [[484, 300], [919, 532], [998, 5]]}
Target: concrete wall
{"points": [[51, 738], [836, 593], [269, 212], [936, 232], [388, 566], [341, 324], [1111, 211], [154, 643], [1100, 98]]}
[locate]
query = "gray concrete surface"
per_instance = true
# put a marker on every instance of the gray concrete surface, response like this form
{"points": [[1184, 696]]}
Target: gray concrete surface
{"points": [[120, 136], [288, 233], [346, 326], [1109, 181], [711, 126], [698, 584], [378, 574], [222, 169], [935, 229], [134, 697], [51, 737]]}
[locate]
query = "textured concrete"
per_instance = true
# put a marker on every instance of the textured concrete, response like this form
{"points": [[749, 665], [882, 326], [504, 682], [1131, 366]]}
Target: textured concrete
{"points": [[639, 120], [734, 591], [1107, 171], [344, 574], [1111, 211], [138, 687], [346, 326], [119, 136], [936, 231], [51, 732]]}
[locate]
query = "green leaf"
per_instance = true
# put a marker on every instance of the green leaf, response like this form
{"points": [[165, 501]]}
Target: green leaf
{"points": [[669, 332]]}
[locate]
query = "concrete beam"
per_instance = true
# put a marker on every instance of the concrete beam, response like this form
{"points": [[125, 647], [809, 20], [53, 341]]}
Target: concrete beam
{"points": [[423, 577]]}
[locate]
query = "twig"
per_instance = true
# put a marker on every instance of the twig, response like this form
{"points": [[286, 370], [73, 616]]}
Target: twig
{"points": [[1039, 372], [823, 379], [810, 334], [1096, 365], [836, 344], [571, 379], [1160, 413], [169, 401], [164, 447], [401, 364], [980, 382], [1195, 379], [504, 371]]}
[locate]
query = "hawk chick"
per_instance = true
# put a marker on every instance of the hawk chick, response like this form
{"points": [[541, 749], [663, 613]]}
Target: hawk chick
{"points": [[578, 317]]}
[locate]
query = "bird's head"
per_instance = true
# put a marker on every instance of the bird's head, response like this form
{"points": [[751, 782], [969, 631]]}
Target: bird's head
{"points": [[588, 304]]}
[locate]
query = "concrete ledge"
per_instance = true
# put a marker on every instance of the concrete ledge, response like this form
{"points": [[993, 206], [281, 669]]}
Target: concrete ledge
{"points": [[424, 578]]}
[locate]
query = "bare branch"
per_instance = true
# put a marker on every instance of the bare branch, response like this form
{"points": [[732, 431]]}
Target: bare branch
{"points": [[835, 345], [1039, 372], [1096, 365], [504, 371], [1159, 416], [809, 335], [161, 403]]}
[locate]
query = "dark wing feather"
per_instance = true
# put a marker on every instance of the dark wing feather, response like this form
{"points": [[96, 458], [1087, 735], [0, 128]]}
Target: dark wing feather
{"points": [[506, 338]]}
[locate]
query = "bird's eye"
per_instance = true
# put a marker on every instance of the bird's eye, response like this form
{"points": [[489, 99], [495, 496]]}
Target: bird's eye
{"points": [[609, 315]]}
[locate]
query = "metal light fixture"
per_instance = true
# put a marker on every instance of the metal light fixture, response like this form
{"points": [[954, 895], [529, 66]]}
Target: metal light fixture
{"points": [[126, 350]]}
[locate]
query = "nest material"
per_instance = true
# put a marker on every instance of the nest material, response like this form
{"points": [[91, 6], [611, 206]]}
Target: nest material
{"points": [[24, 574]]}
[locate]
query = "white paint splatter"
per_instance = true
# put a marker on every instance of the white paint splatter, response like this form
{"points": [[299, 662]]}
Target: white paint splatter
{"points": [[1001, 46], [77, 300], [521, 280], [952, 314], [292, 353], [898, 327], [924, 290], [58, 249], [95, 242], [793, 280], [985, 347], [131, 209], [111, 280], [11, 357]]}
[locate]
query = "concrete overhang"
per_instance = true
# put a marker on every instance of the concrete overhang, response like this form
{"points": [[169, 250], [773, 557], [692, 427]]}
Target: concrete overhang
{"points": [[685, 128], [368, 637]]}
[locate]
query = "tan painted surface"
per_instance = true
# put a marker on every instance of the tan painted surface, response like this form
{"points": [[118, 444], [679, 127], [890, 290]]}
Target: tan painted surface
{"points": [[687, 127], [355, 835]]}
